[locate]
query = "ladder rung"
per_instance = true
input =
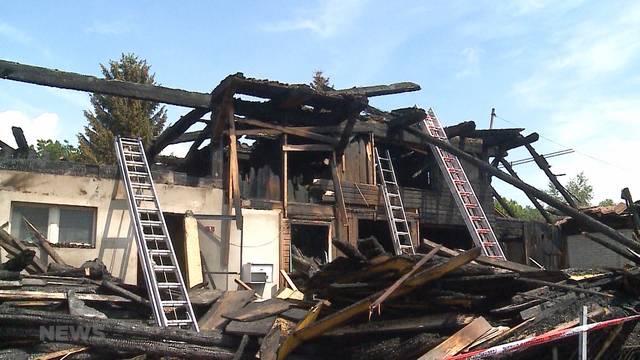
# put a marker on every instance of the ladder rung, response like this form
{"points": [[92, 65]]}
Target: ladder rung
{"points": [[157, 252], [399, 220], [141, 185], [150, 223], [147, 210], [150, 237], [387, 170], [390, 182], [169, 285], [383, 158], [483, 231], [470, 206], [459, 182], [179, 322], [404, 233], [173, 303], [137, 173], [133, 163], [476, 218], [395, 207], [163, 268], [394, 194], [144, 197]]}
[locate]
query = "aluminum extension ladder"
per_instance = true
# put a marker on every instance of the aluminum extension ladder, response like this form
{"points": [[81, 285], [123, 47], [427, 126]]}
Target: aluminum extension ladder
{"points": [[397, 219], [166, 288], [466, 199]]}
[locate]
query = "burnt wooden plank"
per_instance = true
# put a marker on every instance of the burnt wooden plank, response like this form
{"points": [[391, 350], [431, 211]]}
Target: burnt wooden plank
{"points": [[458, 341], [427, 323], [259, 310], [252, 328], [204, 296], [377, 90], [228, 302]]}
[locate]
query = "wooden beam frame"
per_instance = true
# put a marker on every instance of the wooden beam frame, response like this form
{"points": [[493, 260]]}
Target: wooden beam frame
{"points": [[344, 137], [234, 171], [377, 90], [544, 165], [585, 220], [174, 131], [290, 130], [534, 201]]}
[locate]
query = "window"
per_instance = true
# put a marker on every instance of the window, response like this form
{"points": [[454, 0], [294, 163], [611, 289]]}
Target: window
{"points": [[69, 226]]}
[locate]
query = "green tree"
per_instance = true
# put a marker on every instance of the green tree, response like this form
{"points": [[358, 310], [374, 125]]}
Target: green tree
{"points": [[112, 115], [56, 150], [606, 202], [320, 82], [519, 211], [577, 186]]}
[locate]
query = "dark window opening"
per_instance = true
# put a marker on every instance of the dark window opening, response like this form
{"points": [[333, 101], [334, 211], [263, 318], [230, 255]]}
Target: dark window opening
{"points": [[312, 241], [453, 237], [413, 169], [379, 229]]}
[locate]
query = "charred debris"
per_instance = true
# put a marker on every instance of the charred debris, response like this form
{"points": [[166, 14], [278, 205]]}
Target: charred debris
{"points": [[309, 154]]}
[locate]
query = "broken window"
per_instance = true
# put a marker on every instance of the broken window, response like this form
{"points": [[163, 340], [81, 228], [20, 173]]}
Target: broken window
{"points": [[63, 225]]}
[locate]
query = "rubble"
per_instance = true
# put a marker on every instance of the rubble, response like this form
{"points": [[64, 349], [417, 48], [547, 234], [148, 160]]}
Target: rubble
{"points": [[431, 306]]}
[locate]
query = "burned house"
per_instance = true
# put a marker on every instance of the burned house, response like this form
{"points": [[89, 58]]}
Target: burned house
{"points": [[264, 179]]}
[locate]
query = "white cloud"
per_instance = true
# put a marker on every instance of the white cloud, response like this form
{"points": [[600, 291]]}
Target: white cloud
{"points": [[43, 126], [325, 21]]}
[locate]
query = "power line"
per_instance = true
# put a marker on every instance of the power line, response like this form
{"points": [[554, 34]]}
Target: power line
{"points": [[559, 144]]}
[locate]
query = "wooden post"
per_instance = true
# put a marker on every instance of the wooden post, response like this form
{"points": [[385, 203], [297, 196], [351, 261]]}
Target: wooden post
{"points": [[234, 171], [193, 265], [285, 177], [585, 220], [340, 208], [46, 245], [544, 165], [534, 201]]}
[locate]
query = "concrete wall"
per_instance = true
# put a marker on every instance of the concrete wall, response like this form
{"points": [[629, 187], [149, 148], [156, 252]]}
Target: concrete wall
{"points": [[582, 252], [114, 237]]}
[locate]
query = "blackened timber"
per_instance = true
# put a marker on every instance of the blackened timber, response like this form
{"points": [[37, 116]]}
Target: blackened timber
{"points": [[465, 128], [340, 208], [290, 131], [202, 136], [406, 117], [544, 165], [534, 201], [174, 131], [519, 141], [21, 141], [344, 137], [502, 202], [67, 80], [585, 220], [377, 90]]}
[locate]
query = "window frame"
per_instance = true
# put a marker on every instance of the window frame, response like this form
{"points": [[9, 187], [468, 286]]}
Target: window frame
{"points": [[53, 225]]}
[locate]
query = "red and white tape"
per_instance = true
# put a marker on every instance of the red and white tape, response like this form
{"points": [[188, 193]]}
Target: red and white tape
{"points": [[540, 339]]}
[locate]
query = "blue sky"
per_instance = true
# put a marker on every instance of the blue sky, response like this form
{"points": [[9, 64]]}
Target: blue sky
{"points": [[568, 70]]}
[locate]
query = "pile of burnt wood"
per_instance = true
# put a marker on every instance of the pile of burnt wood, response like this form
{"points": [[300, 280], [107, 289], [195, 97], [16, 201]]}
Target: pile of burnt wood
{"points": [[365, 304]]}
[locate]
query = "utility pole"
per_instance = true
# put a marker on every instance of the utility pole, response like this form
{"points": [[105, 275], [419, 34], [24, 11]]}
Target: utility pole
{"points": [[493, 116]]}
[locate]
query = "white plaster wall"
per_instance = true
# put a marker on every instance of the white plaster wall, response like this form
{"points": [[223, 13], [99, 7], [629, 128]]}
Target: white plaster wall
{"points": [[261, 244], [584, 253], [115, 245]]}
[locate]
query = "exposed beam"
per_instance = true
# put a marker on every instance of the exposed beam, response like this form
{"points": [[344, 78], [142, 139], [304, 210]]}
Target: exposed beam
{"points": [[307, 147], [377, 90], [67, 80], [174, 131], [544, 165], [344, 137], [21, 141], [586, 221], [520, 141], [289, 130], [533, 200], [503, 203]]}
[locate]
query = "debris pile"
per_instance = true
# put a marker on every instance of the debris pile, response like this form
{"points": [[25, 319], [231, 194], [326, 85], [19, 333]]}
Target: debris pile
{"points": [[364, 305]]}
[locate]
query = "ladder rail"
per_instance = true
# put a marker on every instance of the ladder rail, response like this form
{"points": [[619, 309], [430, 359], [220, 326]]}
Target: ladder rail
{"points": [[149, 270], [478, 224], [174, 260], [142, 246], [391, 218]]}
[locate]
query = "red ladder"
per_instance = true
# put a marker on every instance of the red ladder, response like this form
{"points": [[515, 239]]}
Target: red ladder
{"points": [[464, 195]]}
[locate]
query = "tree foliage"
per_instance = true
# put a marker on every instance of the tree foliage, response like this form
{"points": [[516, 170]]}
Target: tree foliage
{"points": [[519, 211], [577, 186], [606, 202], [320, 82], [56, 150], [112, 116]]}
